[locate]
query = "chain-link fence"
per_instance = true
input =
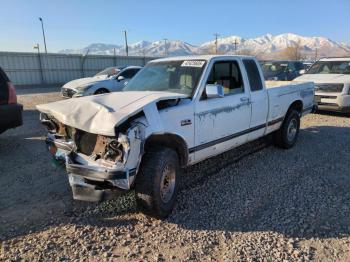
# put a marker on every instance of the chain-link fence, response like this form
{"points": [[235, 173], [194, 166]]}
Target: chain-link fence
{"points": [[54, 69]]}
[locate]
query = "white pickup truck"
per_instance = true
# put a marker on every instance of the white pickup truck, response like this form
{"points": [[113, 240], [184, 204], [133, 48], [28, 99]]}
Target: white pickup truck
{"points": [[176, 112]]}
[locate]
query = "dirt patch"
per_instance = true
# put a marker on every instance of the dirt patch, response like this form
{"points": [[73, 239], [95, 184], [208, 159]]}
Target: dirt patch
{"points": [[255, 203]]}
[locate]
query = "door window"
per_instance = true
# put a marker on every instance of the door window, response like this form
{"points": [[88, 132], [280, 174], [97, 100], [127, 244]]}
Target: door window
{"points": [[129, 73], [253, 75], [291, 67], [227, 74], [299, 66]]}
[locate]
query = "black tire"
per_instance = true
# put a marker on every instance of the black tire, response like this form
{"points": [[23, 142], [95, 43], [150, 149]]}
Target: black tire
{"points": [[285, 137], [149, 198], [101, 91]]}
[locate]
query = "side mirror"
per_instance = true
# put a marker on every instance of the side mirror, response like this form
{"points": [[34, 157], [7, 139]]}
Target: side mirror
{"points": [[120, 78], [214, 91], [302, 71]]}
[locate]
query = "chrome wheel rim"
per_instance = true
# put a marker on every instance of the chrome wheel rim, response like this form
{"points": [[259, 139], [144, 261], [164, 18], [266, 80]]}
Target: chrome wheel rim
{"points": [[292, 129], [167, 184]]}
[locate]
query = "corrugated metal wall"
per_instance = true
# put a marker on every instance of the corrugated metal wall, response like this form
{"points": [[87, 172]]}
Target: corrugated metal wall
{"points": [[32, 69]]}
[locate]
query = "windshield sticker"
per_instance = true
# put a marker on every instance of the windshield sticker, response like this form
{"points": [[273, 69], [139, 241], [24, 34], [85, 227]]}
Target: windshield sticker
{"points": [[193, 63]]}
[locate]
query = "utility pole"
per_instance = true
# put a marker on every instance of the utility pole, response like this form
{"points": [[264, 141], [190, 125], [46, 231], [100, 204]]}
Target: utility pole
{"points": [[40, 65], [42, 27], [84, 57], [216, 42], [126, 43], [144, 56], [235, 43], [115, 57], [165, 47], [316, 54]]}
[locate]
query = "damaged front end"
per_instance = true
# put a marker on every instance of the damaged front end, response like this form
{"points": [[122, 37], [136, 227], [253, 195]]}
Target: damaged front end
{"points": [[99, 167]]}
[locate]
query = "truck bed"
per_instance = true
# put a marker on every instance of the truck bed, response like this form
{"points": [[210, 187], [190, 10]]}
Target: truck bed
{"points": [[272, 84], [281, 93]]}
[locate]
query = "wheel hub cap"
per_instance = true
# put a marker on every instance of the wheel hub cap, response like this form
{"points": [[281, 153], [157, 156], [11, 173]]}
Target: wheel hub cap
{"points": [[292, 129], [167, 185]]}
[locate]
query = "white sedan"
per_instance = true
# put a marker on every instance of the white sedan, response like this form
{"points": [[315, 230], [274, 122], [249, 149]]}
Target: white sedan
{"points": [[111, 79]]}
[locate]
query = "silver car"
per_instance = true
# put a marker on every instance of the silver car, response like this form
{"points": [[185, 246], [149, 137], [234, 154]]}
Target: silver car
{"points": [[111, 79]]}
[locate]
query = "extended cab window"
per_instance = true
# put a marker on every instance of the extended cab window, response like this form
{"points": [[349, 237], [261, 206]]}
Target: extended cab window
{"points": [[228, 75], [253, 75]]}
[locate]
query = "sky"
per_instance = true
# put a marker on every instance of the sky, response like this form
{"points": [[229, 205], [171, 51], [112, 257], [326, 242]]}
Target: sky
{"points": [[76, 24]]}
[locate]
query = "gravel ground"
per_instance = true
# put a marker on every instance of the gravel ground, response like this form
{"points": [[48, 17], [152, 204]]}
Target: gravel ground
{"points": [[256, 203]]}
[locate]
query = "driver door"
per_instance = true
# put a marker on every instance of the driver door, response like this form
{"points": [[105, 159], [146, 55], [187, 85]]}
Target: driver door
{"points": [[221, 123]]}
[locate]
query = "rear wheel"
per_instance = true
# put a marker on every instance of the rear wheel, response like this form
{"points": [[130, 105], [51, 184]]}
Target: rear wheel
{"points": [[287, 135], [101, 91], [157, 182]]}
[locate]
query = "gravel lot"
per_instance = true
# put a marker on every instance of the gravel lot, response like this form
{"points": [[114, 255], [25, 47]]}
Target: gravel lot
{"points": [[257, 203]]}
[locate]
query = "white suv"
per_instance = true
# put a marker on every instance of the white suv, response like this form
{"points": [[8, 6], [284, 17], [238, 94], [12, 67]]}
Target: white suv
{"points": [[332, 83]]}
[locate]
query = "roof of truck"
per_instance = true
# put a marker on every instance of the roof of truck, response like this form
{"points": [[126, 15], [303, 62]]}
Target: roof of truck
{"points": [[197, 57]]}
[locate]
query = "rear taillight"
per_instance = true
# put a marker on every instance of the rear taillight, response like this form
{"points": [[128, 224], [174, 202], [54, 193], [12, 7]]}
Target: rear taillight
{"points": [[12, 93]]}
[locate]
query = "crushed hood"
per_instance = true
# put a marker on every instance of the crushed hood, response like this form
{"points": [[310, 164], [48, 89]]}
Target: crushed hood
{"points": [[324, 78], [100, 114], [85, 81]]}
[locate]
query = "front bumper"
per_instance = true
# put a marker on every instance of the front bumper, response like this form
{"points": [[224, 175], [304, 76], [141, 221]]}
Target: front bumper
{"points": [[89, 180], [337, 102], [332, 107], [84, 191]]}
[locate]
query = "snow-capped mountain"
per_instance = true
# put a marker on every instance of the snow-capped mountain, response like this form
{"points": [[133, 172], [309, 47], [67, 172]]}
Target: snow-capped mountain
{"points": [[157, 48], [269, 45], [266, 46]]}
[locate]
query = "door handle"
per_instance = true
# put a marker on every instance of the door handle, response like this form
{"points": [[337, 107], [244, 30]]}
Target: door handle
{"points": [[244, 99]]}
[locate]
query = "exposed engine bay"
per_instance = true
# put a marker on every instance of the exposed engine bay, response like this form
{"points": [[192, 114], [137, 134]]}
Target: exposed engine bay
{"points": [[94, 161]]}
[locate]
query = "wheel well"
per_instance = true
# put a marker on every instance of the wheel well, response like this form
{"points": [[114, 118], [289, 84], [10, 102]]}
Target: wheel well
{"points": [[102, 89], [297, 105], [169, 140]]}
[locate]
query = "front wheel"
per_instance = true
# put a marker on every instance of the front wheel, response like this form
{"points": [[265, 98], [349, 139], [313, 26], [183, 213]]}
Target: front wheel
{"points": [[287, 135], [157, 182]]}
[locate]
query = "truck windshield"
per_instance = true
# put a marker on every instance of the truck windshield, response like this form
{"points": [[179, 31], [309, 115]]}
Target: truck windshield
{"points": [[180, 76], [330, 67]]}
